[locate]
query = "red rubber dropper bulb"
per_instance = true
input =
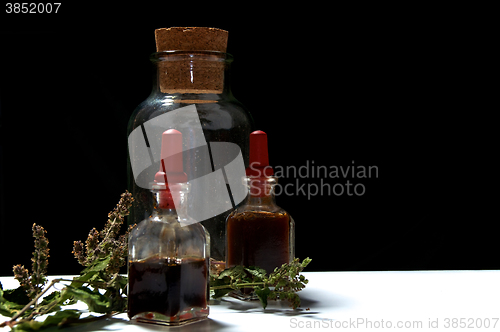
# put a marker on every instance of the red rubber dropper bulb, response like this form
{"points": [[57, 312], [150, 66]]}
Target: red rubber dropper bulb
{"points": [[259, 156], [171, 168]]}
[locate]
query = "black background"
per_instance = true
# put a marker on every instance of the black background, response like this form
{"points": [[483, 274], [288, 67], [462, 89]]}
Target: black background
{"points": [[331, 85]]}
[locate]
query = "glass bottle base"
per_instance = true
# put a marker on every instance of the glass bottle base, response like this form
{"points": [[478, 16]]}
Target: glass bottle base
{"points": [[185, 317], [245, 294]]}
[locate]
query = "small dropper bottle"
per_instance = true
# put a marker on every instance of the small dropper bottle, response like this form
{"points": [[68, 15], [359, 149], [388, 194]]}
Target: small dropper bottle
{"points": [[169, 252], [260, 233]]}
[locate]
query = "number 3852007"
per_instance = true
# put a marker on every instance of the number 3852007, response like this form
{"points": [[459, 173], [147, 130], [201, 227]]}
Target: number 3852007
{"points": [[31, 8]]}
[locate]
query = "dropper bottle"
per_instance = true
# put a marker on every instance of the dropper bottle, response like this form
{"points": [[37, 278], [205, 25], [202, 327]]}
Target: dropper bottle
{"points": [[169, 252], [259, 232]]}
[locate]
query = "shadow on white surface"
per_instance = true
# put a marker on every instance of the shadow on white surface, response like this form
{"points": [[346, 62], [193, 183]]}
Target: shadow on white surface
{"points": [[117, 324], [313, 302], [316, 299]]}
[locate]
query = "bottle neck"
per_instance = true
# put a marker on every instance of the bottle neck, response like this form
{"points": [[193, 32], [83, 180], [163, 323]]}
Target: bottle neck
{"points": [[170, 201], [261, 193], [192, 72]]}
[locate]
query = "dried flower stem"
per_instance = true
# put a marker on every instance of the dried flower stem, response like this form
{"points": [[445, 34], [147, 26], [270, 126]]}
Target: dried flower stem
{"points": [[101, 244], [40, 258], [33, 283]]}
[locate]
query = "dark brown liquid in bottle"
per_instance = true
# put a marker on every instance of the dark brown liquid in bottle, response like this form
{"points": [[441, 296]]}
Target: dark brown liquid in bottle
{"points": [[258, 238], [156, 285]]}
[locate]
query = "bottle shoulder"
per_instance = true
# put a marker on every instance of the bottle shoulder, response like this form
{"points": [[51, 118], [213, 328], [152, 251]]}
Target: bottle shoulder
{"points": [[165, 239], [213, 115], [166, 225], [150, 108], [249, 214]]}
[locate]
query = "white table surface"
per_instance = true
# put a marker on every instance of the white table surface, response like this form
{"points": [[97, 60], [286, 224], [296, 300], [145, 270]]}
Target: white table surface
{"points": [[361, 301]]}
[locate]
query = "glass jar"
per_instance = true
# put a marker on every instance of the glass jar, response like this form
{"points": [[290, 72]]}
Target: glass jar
{"points": [[169, 262], [187, 83]]}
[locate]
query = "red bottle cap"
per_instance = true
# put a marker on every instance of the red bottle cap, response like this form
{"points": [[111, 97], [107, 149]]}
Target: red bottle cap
{"points": [[259, 157], [171, 170]]}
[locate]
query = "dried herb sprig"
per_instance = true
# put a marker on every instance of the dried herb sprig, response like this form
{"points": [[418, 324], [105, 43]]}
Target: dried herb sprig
{"points": [[102, 244], [34, 282], [99, 285], [282, 284]]}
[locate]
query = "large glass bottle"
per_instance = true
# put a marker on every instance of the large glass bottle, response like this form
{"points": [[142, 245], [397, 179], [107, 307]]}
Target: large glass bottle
{"points": [[169, 253], [191, 77], [259, 232]]}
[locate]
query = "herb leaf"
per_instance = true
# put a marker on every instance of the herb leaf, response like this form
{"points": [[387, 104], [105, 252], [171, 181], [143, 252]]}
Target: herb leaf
{"points": [[262, 294], [94, 300], [8, 306], [60, 318]]}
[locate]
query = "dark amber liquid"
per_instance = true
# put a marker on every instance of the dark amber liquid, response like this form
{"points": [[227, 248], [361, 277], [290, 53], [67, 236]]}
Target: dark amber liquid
{"points": [[156, 285], [258, 238]]}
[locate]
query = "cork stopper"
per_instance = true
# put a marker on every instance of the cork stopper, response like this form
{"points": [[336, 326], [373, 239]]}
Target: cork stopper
{"points": [[197, 72], [191, 39]]}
